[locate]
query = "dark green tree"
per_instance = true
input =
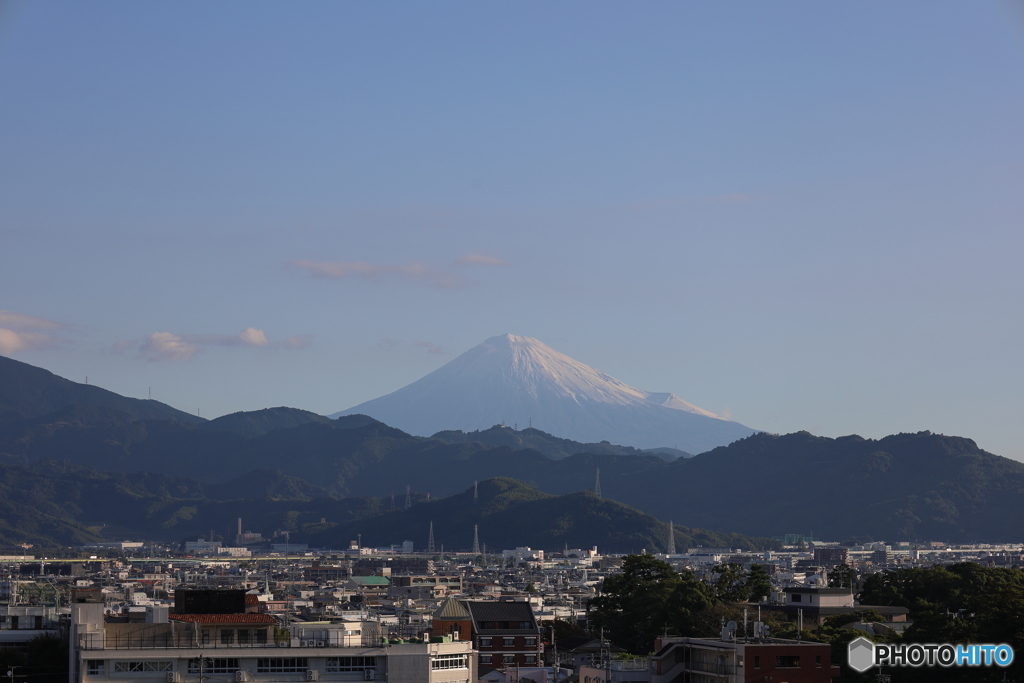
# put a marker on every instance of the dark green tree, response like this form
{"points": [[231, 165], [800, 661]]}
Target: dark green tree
{"points": [[759, 583], [648, 596]]}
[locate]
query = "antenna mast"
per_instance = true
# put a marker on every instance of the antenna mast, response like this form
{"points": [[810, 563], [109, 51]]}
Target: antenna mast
{"points": [[430, 539], [476, 539], [671, 538], [597, 484]]}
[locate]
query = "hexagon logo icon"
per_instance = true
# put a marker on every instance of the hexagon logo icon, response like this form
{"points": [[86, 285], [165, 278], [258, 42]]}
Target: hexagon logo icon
{"points": [[861, 654]]}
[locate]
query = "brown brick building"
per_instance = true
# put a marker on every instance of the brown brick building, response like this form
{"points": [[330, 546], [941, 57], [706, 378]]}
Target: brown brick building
{"points": [[504, 632]]}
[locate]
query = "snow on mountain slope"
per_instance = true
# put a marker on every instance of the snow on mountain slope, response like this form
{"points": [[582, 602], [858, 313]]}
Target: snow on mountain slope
{"points": [[521, 380]]}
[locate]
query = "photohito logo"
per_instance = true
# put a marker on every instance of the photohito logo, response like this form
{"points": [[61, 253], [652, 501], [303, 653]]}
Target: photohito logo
{"points": [[863, 654]]}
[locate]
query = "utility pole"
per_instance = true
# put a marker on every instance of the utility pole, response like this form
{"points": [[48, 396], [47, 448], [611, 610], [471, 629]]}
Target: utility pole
{"points": [[201, 663]]}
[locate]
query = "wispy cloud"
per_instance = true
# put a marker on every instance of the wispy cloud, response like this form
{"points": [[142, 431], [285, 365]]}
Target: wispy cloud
{"points": [[160, 346], [446, 277], [22, 332], [480, 260], [431, 347]]}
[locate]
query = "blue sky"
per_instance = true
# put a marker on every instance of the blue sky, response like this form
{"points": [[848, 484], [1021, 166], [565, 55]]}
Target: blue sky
{"points": [[806, 215]]}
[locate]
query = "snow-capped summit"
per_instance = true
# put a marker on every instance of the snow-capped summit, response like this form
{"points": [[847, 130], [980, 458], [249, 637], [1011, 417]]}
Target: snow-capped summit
{"points": [[514, 379]]}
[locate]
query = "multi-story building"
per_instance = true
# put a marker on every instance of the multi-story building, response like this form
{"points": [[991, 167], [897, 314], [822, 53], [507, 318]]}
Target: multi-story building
{"points": [[704, 660], [251, 646], [505, 632], [419, 587], [831, 557]]}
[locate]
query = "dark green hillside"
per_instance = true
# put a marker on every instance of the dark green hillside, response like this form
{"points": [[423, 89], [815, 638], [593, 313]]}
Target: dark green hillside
{"points": [[903, 487], [548, 444], [259, 422], [510, 514], [351, 456], [55, 504], [28, 391]]}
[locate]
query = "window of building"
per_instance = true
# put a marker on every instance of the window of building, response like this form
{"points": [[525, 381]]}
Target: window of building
{"points": [[348, 664], [206, 636], [261, 636], [94, 667], [281, 665], [531, 659], [508, 659], [243, 636], [509, 642], [757, 662], [449, 662], [797, 597], [529, 642], [214, 665], [787, 661], [485, 642], [227, 636], [817, 660], [154, 666], [485, 659]]}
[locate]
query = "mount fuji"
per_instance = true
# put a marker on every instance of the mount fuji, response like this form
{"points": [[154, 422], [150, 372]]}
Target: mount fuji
{"points": [[510, 379]]}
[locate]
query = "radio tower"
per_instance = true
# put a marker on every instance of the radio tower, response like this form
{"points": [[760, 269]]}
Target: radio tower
{"points": [[597, 484], [476, 539], [671, 538], [408, 497], [430, 539]]}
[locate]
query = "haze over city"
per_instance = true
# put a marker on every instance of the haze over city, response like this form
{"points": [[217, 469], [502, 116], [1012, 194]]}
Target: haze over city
{"points": [[799, 216]]}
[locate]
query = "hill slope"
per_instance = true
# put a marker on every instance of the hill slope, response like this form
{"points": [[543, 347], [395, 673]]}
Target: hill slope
{"points": [[28, 391], [511, 514], [904, 487], [510, 379]]}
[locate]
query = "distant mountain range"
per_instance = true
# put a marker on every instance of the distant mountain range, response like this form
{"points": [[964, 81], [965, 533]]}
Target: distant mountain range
{"points": [[66, 473], [520, 380], [549, 445]]}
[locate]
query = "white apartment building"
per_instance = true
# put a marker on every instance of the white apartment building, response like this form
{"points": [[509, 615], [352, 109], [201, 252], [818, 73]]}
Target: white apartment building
{"points": [[241, 648]]}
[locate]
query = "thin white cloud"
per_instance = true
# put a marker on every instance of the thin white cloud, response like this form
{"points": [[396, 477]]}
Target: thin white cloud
{"points": [[431, 347], [441, 278], [20, 321], [160, 346], [167, 346], [22, 332], [481, 260], [12, 342], [414, 270]]}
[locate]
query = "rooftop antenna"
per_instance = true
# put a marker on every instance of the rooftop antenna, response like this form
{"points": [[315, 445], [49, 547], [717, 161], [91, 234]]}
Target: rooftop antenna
{"points": [[671, 538], [476, 539], [408, 497], [430, 540], [597, 484]]}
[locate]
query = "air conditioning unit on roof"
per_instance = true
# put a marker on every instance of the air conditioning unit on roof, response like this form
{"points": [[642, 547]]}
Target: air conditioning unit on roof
{"points": [[321, 643], [312, 674], [369, 674], [172, 677]]}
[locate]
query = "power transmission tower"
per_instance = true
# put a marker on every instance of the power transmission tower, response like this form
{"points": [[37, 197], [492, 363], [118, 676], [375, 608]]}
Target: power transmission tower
{"points": [[408, 497], [430, 539], [476, 494], [597, 484], [476, 539], [671, 538]]}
